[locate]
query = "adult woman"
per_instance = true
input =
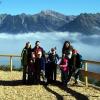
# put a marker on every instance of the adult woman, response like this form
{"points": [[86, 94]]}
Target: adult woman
{"points": [[67, 50], [25, 60]]}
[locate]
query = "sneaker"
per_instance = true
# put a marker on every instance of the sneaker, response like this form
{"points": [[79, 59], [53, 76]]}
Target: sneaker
{"points": [[76, 83], [45, 80]]}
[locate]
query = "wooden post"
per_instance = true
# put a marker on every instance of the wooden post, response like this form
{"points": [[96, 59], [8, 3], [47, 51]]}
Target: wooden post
{"points": [[10, 63], [86, 77]]}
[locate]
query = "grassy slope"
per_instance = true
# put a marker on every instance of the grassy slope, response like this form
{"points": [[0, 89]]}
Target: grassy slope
{"points": [[11, 88]]}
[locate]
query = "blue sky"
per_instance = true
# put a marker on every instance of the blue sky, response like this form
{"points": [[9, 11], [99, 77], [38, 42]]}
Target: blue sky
{"points": [[68, 7]]}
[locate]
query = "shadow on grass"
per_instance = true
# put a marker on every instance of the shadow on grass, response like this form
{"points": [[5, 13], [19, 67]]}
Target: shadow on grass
{"points": [[75, 94], [18, 83], [58, 96], [11, 83]]}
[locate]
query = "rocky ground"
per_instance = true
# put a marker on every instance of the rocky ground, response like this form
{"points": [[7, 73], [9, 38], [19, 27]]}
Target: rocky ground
{"points": [[11, 88]]}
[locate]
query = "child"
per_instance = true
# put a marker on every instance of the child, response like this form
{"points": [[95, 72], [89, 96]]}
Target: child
{"points": [[64, 69], [40, 67], [31, 69], [52, 60]]}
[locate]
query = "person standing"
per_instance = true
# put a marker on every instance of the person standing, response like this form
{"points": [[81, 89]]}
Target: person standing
{"points": [[52, 60], [63, 64], [38, 48], [39, 61], [77, 65], [31, 69], [67, 50], [25, 59]]}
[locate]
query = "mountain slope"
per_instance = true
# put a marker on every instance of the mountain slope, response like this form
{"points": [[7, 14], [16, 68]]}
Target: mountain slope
{"points": [[45, 21], [49, 21], [84, 23]]}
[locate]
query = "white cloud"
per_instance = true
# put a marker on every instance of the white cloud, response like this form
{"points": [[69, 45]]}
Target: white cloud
{"points": [[96, 27], [85, 44], [39, 35]]}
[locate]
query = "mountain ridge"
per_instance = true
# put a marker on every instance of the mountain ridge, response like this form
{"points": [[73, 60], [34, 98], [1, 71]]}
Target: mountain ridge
{"points": [[50, 21]]}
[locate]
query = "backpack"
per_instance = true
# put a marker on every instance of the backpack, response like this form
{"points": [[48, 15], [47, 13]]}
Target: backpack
{"points": [[79, 60]]}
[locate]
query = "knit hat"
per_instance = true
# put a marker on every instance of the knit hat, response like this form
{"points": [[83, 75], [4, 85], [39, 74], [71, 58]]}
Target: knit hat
{"points": [[52, 49]]}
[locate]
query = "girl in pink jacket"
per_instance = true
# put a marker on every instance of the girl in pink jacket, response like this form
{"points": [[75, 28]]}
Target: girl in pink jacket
{"points": [[64, 69]]}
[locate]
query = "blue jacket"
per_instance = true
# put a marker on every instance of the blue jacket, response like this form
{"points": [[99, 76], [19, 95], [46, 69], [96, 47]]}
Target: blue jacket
{"points": [[53, 58], [40, 63]]}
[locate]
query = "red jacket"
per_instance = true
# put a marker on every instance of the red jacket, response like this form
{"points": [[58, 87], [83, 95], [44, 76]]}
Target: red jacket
{"points": [[36, 50], [64, 64]]}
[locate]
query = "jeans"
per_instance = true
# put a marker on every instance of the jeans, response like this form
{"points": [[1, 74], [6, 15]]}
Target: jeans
{"points": [[64, 76]]}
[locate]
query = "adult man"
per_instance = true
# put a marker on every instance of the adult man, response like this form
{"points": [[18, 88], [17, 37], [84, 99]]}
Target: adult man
{"points": [[39, 61], [37, 49], [25, 59], [77, 65]]}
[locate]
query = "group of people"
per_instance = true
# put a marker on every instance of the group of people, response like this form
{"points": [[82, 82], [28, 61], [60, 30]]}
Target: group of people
{"points": [[41, 66]]}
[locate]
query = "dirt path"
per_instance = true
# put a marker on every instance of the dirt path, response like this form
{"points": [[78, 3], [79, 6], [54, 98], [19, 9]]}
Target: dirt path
{"points": [[11, 88]]}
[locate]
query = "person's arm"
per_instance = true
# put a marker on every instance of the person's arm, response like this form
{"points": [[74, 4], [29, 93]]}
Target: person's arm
{"points": [[22, 56], [22, 52], [58, 62], [64, 65], [74, 61], [43, 52], [49, 57], [57, 57], [81, 61]]}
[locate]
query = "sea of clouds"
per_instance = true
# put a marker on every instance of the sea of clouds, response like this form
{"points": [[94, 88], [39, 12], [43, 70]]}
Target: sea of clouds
{"points": [[14, 43], [88, 46]]}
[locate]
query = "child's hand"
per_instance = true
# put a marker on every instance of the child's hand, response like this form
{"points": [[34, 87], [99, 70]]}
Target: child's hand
{"points": [[31, 61]]}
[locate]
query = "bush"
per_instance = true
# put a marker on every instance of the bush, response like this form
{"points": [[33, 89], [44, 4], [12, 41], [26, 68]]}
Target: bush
{"points": [[7, 68]]}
